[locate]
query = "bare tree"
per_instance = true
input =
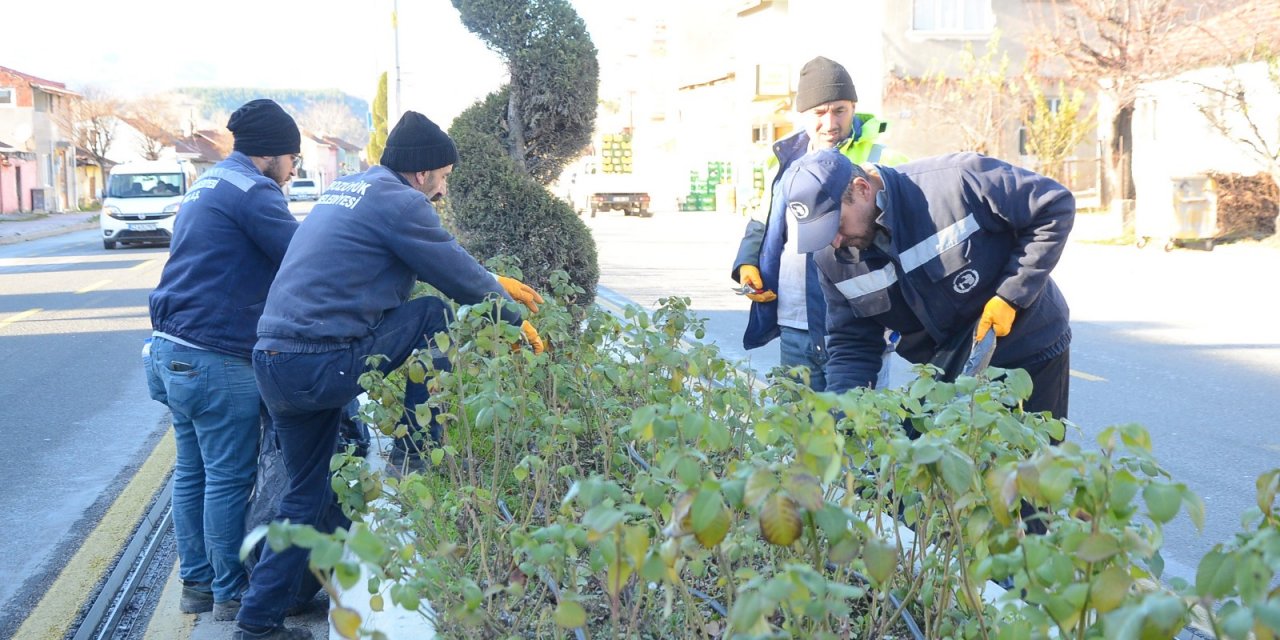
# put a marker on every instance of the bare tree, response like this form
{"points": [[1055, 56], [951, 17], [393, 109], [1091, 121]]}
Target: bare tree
{"points": [[977, 103], [333, 118], [96, 115], [156, 120], [1116, 45], [1235, 108]]}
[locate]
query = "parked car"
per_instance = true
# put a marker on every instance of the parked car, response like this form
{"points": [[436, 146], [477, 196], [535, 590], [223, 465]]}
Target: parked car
{"points": [[303, 189], [142, 200]]}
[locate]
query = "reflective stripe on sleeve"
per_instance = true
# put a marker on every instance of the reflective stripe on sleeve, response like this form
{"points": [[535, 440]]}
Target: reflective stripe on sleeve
{"points": [[936, 244], [868, 283]]}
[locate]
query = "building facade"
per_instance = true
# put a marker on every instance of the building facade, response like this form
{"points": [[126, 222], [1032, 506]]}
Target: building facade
{"points": [[39, 174]]}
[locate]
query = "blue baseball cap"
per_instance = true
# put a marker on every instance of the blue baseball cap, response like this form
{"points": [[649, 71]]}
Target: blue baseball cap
{"points": [[814, 185]]}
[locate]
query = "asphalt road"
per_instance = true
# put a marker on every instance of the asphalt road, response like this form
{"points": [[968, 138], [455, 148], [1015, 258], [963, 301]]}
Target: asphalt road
{"points": [[75, 417], [1185, 343]]}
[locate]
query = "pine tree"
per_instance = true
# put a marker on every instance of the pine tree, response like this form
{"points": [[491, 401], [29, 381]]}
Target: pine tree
{"points": [[378, 137]]}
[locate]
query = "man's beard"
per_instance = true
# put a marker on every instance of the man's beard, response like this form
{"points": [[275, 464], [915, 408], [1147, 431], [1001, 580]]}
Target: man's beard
{"points": [[273, 171]]}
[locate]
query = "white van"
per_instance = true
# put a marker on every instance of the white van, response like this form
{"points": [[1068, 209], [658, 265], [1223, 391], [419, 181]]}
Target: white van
{"points": [[303, 189], [142, 200]]}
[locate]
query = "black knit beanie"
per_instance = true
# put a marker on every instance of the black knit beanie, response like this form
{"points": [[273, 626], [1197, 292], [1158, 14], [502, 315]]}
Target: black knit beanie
{"points": [[417, 144], [262, 128], [822, 81]]}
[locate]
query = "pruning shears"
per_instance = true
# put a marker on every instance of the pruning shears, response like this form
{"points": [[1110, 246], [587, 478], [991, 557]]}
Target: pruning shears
{"points": [[745, 289]]}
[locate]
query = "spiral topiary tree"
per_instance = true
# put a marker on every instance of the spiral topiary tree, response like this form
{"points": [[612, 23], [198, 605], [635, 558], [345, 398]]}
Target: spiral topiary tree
{"points": [[516, 141]]}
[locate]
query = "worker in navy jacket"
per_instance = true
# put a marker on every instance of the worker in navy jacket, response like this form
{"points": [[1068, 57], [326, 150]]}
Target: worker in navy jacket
{"points": [[927, 249], [342, 295], [229, 238]]}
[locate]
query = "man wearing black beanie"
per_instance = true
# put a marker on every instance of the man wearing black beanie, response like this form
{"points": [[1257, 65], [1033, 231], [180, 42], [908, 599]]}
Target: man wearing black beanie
{"points": [[228, 241], [325, 317], [782, 283]]}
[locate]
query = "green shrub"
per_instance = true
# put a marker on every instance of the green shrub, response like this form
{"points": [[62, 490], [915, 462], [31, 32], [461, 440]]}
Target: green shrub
{"points": [[634, 485], [516, 141], [498, 210]]}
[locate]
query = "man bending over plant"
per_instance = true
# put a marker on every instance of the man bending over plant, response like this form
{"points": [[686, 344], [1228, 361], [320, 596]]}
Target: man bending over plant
{"points": [[926, 249]]}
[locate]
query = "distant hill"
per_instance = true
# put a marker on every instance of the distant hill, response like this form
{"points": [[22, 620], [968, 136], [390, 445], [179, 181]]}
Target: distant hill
{"points": [[325, 112]]}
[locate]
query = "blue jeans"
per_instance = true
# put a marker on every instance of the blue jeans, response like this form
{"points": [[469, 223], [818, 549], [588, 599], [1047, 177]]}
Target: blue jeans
{"points": [[798, 350], [306, 394], [217, 422]]}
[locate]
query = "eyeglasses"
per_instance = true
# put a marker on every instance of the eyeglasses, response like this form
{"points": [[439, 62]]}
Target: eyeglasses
{"points": [[297, 160]]}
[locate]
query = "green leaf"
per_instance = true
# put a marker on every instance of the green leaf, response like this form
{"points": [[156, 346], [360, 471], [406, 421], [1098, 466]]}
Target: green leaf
{"points": [[347, 573], [1124, 486], [326, 553], [520, 472], [1238, 622], [761, 483], [1216, 576], [716, 530], [1252, 579], [881, 558], [748, 613], [653, 569], [437, 456], [1097, 547], [346, 622], [845, 551], [1055, 480], [833, 521], [367, 546], [1019, 382], [570, 615], [957, 471], [1162, 500], [717, 436], [689, 472], [780, 522], [1268, 486], [706, 506], [602, 518], [1195, 507], [805, 490], [925, 452], [1110, 589]]}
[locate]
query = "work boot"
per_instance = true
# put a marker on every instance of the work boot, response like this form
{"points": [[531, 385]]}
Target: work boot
{"points": [[226, 611], [318, 603], [197, 597], [270, 633]]}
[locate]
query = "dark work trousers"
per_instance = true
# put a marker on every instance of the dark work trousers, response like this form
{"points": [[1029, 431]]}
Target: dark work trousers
{"points": [[1050, 386], [305, 394], [1050, 391]]}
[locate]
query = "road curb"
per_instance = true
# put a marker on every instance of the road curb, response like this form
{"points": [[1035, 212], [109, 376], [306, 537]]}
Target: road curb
{"points": [[53, 616], [45, 233]]}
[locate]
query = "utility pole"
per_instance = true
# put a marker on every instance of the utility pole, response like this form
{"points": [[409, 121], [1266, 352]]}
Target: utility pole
{"points": [[395, 29]]}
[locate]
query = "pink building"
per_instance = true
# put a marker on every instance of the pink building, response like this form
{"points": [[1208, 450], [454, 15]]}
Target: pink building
{"points": [[17, 169], [37, 148]]}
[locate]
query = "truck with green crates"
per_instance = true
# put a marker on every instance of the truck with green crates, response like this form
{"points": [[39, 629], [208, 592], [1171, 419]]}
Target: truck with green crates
{"points": [[611, 181]]}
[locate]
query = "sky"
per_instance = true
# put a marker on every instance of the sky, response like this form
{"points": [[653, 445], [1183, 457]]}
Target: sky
{"points": [[135, 47]]}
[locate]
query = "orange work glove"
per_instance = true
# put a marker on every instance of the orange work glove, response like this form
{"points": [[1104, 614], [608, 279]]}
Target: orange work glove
{"points": [[521, 292], [749, 276], [532, 336], [997, 315]]}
